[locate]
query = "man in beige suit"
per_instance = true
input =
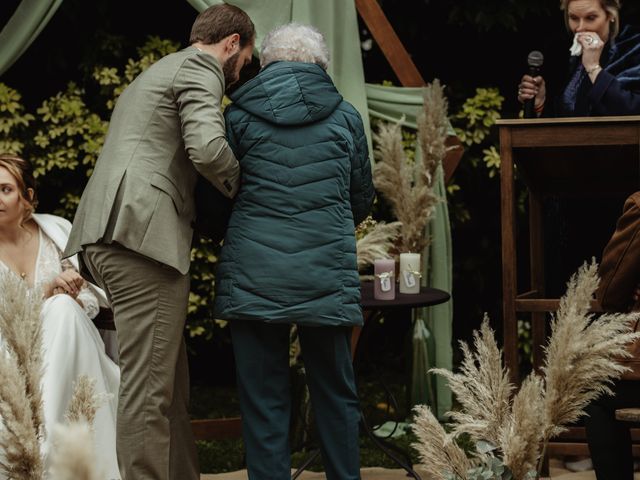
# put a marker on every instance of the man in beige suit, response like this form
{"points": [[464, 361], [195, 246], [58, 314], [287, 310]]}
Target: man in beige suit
{"points": [[133, 228]]}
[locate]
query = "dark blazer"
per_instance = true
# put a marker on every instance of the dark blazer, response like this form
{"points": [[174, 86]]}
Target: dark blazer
{"points": [[620, 275], [609, 97], [619, 269], [616, 90]]}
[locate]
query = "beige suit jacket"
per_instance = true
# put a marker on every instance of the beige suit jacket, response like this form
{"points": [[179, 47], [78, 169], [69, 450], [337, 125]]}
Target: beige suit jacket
{"points": [[165, 128]]}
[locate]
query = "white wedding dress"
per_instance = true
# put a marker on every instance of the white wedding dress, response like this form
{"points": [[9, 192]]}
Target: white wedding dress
{"points": [[72, 346]]}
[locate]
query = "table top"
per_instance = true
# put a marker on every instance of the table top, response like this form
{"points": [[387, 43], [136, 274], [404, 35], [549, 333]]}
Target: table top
{"points": [[427, 297], [567, 120]]}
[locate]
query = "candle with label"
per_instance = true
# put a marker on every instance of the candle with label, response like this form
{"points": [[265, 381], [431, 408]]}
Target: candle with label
{"points": [[384, 283], [410, 267]]}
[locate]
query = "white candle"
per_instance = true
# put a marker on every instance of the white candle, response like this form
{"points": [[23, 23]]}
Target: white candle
{"points": [[384, 286], [410, 267]]}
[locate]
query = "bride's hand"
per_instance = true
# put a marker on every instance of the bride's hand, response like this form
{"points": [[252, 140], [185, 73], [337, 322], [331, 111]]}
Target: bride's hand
{"points": [[69, 282]]}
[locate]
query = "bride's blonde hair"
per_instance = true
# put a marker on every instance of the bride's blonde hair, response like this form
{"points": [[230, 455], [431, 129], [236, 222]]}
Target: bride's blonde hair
{"points": [[21, 170]]}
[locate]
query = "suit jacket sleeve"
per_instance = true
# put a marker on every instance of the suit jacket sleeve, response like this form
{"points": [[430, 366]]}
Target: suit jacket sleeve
{"points": [[619, 269], [608, 97], [362, 192], [198, 89]]}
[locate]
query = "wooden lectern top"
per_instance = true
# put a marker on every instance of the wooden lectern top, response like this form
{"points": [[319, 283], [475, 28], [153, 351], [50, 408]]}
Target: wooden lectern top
{"points": [[566, 120], [573, 155]]}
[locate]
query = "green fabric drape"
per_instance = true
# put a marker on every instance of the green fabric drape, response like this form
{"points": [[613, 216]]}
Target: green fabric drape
{"points": [[23, 28], [390, 103], [437, 267], [337, 20]]}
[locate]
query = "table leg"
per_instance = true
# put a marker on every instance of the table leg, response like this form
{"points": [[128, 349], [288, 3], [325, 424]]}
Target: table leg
{"points": [[310, 459], [397, 455]]}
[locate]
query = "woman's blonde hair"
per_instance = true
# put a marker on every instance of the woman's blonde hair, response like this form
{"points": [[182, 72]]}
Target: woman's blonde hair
{"points": [[21, 170], [612, 7]]}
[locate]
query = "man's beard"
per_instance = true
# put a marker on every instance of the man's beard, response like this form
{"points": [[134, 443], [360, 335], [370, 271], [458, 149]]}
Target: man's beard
{"points": [[229, 70]]}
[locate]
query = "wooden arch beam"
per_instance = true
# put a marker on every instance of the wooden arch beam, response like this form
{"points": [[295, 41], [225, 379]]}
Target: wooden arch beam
{"points": [[388, 41], [404, 68]]}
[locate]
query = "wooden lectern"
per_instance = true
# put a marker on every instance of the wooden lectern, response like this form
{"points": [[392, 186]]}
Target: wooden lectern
{"points": [[560, 157]]}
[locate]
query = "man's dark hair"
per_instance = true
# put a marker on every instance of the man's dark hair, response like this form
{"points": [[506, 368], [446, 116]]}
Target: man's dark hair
{"points": [[220, 21]]}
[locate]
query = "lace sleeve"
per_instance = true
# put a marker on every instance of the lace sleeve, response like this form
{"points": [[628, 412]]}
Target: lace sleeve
{"points": [[89, 301]]}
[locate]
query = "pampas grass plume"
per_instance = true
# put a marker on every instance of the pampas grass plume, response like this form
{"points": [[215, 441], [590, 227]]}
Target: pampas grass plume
{"points": [[438, 452], [581, 362], [377, 242], [520, 436], [73, 457], [482, 387], [85, 401], [408, 185], [21, 372]]}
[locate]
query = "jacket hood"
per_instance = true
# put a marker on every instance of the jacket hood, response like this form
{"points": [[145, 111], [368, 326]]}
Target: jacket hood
{"points": [[289, 93]]}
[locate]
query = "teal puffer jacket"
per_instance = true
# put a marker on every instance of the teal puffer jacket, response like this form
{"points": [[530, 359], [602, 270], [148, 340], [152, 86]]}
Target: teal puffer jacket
{"points": [[289, 254]]}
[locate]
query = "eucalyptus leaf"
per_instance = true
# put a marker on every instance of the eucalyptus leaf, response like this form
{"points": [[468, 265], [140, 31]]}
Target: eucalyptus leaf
{"points": [[482, 446]]}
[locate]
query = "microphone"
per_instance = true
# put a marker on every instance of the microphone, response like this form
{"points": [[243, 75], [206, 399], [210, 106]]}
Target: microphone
{"points": [[534, 61]]}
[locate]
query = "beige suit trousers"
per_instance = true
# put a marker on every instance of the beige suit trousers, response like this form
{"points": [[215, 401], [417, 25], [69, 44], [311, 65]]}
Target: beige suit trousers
{"points": [[149, 301]]}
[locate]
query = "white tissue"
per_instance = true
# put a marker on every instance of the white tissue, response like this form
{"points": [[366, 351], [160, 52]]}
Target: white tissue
{"points": [[576, 48]]}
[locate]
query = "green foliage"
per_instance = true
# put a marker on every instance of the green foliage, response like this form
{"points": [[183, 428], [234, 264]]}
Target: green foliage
{"points": [[474, 126], [200, 311], [479, 113], [69, 135], [491, 159], [13, 121], [494, 469], [525, 345], [491, 467], [221, 456], [113, 81]]}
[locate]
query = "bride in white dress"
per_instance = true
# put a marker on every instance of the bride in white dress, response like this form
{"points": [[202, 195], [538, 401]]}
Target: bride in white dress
{"points": [[30, 247]]}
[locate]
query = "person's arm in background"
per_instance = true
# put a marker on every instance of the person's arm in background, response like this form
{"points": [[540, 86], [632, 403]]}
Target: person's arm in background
{"points": [[198, 88], [608, 97], [362, 191]]}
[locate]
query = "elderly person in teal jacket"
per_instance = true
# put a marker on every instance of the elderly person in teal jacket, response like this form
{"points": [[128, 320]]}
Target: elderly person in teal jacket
{"points": [[289, 255]]}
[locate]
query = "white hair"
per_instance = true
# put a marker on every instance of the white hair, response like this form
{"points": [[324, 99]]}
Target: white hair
{"points": [[294, 42]]}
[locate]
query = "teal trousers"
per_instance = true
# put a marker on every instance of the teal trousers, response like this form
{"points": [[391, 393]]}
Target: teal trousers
{"points": [[262, 366]]}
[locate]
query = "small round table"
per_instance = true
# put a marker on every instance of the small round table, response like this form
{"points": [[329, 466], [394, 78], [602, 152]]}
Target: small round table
{"points": [[373, 309]]}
